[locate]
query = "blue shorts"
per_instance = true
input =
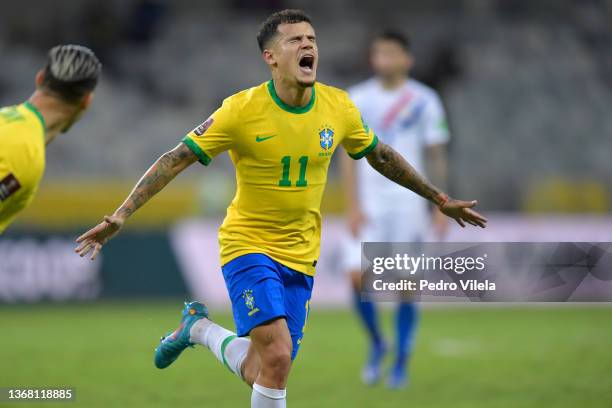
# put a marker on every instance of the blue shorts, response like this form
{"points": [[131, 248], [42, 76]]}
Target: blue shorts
{"points": [[262, 290]]}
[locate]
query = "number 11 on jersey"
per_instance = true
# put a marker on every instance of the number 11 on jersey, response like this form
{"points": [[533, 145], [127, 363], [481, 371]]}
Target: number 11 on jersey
{"points": [[286, 162]]}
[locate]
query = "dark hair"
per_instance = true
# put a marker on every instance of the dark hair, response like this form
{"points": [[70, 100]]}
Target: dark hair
{"points": [[71, 72], [395, 36], [269, 28]]}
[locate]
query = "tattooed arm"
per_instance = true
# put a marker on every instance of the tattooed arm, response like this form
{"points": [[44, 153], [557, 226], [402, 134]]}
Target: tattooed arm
{"points": [[152, 182], [156, 178], [392, 165]]}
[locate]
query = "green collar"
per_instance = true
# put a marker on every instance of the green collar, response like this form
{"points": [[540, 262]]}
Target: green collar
{"points": [[288, 108], [35, 111]]}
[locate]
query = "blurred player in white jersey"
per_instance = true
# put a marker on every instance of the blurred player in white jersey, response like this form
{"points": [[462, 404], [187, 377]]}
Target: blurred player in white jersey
{"points": [[408, 116]]}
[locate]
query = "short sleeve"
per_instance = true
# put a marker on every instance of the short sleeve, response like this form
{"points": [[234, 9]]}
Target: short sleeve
{"points": [[213, 136], [359, 139], [436, 126]]}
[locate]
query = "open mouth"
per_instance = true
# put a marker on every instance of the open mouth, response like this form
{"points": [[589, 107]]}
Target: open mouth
{"points": [[306, 63]]}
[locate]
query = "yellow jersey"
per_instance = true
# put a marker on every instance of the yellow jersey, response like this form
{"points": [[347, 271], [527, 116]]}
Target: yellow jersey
{"points": [[22, 158], [281, 154]]}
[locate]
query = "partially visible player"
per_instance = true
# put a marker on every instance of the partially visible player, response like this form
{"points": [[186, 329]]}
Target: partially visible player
{"points": [[281, 136], [408, 116], [64, 90]]}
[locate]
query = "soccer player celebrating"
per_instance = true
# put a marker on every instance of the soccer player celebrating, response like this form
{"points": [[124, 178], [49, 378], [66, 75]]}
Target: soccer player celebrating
{"points": [[64, 90], [280, 136], [409, 117]]}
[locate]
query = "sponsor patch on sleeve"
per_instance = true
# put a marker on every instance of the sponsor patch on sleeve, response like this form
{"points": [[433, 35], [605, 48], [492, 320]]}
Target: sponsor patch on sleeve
{"points": [[9, 185], [203, 127]]}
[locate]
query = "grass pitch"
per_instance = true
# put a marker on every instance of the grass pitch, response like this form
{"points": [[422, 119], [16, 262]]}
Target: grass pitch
{"points": [[464, 357]]}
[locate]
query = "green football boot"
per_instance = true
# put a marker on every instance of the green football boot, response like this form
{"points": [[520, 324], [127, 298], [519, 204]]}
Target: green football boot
{"points": [[172, 345]]}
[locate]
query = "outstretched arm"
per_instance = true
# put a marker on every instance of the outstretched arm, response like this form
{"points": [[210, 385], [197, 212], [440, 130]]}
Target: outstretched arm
{"points": [[154, 180], [392, 165]]}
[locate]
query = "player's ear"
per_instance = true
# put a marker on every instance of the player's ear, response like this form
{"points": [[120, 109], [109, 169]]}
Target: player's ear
{"points": [[87, 100], [40, 78], [268, 57]]}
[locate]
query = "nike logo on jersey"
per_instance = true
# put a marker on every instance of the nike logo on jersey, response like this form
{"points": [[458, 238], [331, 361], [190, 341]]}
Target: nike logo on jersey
{"points": [[263, 138]]}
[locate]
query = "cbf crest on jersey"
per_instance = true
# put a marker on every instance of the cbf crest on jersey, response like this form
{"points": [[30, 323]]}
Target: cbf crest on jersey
{"points": [[249, 301], [326, 137], [326, 140]]}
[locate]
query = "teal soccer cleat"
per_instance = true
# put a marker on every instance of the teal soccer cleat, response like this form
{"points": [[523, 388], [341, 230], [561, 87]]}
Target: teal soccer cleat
{"points": [[172, 345]]}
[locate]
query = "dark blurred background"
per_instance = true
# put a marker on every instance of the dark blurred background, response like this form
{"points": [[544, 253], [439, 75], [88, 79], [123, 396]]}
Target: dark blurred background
{"points": [[527, 86]]}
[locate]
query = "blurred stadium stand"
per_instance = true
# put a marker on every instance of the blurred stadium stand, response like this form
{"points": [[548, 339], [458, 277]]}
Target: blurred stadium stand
{"points": [[528, 87]]}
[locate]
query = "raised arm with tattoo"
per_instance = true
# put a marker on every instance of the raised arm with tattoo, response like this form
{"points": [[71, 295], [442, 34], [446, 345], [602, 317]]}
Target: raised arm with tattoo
{"points": [[392, 165], [152, 182]]}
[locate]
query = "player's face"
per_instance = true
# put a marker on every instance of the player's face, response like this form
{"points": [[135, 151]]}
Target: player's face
{"points": [[389, 59], [295, 53]]}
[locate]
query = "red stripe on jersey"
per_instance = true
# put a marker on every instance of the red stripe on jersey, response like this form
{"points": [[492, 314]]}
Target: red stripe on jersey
{"points": [[401, 103]]}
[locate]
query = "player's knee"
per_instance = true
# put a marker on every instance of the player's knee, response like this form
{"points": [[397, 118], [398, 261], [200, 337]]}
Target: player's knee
{"points": [[276, 363], [277, 357], [274, 347]]}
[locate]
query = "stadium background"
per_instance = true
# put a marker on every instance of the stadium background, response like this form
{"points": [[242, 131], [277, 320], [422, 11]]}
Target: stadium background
{"points": [[528, 89]]}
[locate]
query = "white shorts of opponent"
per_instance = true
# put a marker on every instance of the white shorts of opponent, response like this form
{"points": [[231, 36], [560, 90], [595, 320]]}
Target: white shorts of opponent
{"points": [[384, 226]]}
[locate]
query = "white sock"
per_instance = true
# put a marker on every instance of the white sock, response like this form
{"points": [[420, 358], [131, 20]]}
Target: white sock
{"points": [[263, 397], [229, 349]]}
